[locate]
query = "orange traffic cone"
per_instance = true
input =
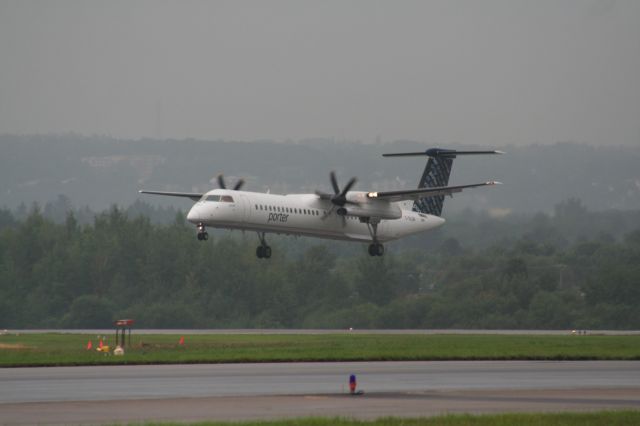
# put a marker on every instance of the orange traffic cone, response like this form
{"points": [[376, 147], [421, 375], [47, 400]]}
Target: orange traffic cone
{"points": [[89, 345], [181, 341], [100, 344]]}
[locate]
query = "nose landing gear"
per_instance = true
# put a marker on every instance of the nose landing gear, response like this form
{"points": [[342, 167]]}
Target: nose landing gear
{"points": [[263, 251], [203, 235]]}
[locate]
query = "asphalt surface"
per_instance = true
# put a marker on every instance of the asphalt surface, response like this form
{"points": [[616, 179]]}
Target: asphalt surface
{"points": [[67, 395]]}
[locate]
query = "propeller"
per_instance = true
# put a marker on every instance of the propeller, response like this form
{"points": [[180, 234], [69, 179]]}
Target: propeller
{"points": [[222, 184], [339, 198]]}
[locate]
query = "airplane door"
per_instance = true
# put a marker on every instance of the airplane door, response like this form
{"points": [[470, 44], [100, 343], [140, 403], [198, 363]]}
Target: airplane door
{"points": [[242, 208]]}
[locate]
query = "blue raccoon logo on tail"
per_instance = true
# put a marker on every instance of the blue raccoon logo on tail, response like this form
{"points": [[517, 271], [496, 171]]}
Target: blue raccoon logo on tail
{"points": [[436, 175]]}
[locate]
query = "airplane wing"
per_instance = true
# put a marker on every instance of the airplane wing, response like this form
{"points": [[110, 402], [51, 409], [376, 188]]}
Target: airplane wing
{"points": [[194, 196], [414, 194]]}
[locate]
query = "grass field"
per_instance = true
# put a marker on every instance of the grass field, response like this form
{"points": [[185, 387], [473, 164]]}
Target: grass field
{"points": [[604, 418], [49, 349]]}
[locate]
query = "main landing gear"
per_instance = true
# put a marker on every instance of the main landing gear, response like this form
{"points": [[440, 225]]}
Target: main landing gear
{"points": [[263, 251], [203, 235], [375, 248]]}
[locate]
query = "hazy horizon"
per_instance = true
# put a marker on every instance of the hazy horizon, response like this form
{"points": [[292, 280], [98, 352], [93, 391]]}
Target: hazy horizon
{"points": [[466, 72]]}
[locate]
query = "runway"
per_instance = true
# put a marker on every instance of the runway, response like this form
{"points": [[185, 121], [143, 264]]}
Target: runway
{"points": [[244, 391]]}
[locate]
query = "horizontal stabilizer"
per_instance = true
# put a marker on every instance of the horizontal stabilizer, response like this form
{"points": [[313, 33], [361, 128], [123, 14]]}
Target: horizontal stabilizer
{"points": [[192, 195], [439, 152]]}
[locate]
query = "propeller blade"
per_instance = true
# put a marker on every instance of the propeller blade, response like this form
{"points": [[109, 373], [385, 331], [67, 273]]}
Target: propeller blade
{"points": [[340, 197], [348, 187], [221, 182], [334, 182], [238, 185]]}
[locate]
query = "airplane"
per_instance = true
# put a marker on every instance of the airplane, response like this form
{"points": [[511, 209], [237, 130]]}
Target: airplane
{"points": [[371, 217]]}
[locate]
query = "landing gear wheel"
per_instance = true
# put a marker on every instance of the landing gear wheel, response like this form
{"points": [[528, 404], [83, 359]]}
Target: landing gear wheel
{"points": [[202, 233], [263, 251], [376, 249]]}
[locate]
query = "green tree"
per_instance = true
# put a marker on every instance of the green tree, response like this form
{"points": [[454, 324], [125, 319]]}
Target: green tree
{"points": [[88, 312]]}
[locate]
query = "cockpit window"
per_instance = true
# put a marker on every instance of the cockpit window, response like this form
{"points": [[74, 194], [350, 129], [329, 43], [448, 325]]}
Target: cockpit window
{"points": [[220, 198]]}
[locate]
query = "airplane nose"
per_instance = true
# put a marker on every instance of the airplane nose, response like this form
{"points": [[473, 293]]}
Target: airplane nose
{"points": [[192, 216]]}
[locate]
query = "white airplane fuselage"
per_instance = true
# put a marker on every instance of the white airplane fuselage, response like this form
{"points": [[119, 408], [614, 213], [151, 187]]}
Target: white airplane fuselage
{"points": [[307, 215]]}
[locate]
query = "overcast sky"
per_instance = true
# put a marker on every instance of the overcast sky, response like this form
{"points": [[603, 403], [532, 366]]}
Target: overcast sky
{"points": [[485, 72]]}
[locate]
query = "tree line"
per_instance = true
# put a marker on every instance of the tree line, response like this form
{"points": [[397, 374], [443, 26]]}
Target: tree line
{"points": [[556, 272]]}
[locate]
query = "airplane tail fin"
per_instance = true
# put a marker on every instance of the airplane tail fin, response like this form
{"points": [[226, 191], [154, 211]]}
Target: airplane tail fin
{"points": [[436, 175]]}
